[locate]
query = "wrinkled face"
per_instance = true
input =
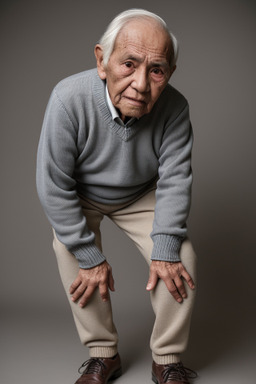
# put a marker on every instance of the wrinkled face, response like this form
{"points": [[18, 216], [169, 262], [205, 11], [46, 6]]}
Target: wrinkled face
{"points": [[138, 69]]}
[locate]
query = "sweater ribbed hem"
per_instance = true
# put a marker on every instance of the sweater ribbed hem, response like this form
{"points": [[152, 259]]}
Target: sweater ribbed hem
{"points": [[103, 352], [88, 255], [166, 248], [166, 359]]}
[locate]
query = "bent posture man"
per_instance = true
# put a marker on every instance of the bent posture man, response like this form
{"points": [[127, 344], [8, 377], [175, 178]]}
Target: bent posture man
{"points": [[117, 141]]}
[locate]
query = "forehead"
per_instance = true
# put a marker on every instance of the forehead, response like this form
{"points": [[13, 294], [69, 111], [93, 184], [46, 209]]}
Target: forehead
{"points": [[143, 37]]}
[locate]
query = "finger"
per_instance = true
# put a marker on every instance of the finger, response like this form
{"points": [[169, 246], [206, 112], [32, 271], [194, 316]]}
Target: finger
{"points": [[86, 296], [188, 279], [74, 285], [180, 287], [111, 282], [173, 290], [78, 292], [103, 289], [152, 281]]}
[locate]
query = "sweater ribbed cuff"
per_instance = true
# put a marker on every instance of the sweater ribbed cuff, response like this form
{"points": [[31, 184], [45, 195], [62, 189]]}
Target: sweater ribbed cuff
{"points": [[166, 248], [88, 255]]}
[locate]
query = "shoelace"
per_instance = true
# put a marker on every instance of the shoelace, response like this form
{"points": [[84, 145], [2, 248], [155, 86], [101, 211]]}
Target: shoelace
{"points": [[92, 366], [179, 373]]}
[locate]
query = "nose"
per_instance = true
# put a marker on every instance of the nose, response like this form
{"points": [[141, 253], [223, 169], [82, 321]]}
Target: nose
{"points": [[141, 80]]}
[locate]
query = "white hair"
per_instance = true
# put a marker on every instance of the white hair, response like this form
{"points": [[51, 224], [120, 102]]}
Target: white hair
{"points": [[108, 39]]}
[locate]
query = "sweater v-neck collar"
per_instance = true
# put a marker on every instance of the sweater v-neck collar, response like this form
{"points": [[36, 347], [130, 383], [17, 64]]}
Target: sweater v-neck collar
{"points": [[124, 132]]}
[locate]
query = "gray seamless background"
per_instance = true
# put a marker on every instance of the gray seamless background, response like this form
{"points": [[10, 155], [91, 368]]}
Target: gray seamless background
{"points": [[45, 41]]}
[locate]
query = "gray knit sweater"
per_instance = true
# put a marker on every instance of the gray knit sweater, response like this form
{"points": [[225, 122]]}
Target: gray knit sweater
{"points": [[83, 151]]}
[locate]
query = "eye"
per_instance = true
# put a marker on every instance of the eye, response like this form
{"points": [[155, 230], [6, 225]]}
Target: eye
{"points": [[128, 64], [157, 71]]}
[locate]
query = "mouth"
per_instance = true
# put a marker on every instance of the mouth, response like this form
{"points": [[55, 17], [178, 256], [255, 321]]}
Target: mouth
{"points": [[136, 102]]}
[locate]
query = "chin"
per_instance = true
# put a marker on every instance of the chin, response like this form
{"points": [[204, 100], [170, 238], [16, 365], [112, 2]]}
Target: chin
{"points": [[134, 113]]}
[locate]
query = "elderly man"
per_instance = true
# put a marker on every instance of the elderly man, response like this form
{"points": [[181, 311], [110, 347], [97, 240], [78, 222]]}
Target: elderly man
{"points": [[116, 141]]}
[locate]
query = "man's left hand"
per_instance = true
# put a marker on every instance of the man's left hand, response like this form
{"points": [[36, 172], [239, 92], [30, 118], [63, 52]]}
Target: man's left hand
{"points": [[173, 275]]}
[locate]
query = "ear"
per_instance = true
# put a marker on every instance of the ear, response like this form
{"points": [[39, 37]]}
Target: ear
{"points": [[98, 51]]}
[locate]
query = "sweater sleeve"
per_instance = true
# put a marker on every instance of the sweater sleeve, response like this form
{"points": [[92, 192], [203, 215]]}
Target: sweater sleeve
{"points": [[173, 193], [57, 154]]}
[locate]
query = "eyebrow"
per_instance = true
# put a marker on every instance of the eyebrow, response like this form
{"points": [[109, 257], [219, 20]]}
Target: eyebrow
{"points": [[139, 60]]}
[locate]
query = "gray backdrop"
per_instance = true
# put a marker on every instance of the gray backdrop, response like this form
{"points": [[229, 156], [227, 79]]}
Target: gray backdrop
{"points": [[45, 41]]}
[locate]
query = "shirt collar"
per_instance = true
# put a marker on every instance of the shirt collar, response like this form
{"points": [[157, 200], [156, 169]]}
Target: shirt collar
{"points": [[114, 113]]}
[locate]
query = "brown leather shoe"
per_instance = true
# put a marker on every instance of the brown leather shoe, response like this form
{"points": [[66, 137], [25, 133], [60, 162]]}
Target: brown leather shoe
{"points": [[172, 373], [100, 371]]}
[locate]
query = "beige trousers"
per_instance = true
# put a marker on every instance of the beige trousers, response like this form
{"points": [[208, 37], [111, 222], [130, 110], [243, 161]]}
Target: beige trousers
{"points": [[94, 322]]}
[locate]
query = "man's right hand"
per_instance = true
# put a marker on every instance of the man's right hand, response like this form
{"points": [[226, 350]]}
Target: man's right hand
{"points": [[88, 280]]}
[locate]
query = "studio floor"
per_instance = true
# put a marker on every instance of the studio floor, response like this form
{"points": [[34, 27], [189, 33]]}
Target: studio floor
{"points": [[41, 346]]}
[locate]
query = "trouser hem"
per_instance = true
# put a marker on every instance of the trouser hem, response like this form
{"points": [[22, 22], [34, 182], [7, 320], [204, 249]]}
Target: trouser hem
{"points": [[104, 352], [166, 359]]}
